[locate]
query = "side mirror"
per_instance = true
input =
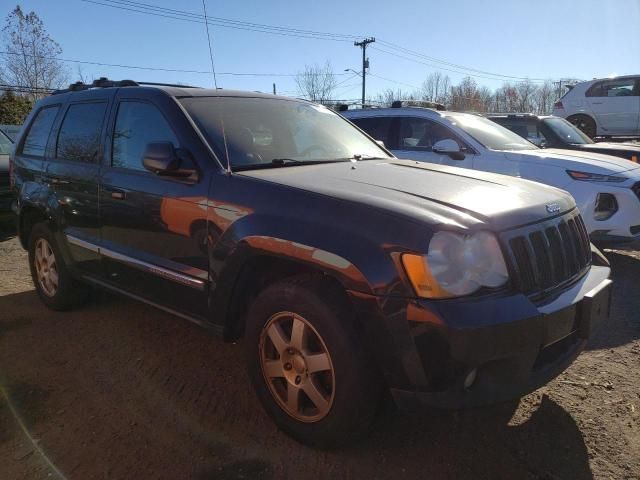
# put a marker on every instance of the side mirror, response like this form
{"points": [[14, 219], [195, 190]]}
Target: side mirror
{"points": [[381, 143], [448, 147], [160, 158]]}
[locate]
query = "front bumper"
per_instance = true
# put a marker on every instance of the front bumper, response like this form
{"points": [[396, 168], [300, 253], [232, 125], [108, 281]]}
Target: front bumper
{"points": [[508, 346], [622, 227]]}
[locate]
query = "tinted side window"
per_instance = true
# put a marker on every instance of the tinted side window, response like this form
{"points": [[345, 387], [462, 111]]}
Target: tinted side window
{"points": [[36, 140], [79, 137], [421, 134], [138, 124], [613, 88], [528, 130], [378, 127]]}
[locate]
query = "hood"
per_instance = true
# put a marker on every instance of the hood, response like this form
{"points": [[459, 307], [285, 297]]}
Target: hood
{"points": [[614, 148], [577, 160], [433, 193]]}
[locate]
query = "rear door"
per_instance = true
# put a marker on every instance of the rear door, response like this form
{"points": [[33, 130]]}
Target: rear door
{"points": [[154, 228], [616, 105], [416, 137], [73, 170]]}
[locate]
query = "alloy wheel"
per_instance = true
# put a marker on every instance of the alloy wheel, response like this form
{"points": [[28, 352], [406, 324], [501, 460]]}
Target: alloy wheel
{"points": [[46, 267], [297, 367]]}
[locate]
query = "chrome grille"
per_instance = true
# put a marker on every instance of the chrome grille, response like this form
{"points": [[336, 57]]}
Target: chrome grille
{"points": [[548, 254]]}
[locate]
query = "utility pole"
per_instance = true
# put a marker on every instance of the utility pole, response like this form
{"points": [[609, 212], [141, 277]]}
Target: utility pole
{"points": [[365, 62]]}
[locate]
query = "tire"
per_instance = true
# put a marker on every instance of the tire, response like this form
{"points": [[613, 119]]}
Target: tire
{"points": [[57, 289], [584, 123], [350, 389]]}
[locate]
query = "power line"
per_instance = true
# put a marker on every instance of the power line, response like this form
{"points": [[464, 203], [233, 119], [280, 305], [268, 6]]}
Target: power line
{"points": [[436, 63], [234, 24], [446, 69], [394, 81], [407, 51], [160, 69]]}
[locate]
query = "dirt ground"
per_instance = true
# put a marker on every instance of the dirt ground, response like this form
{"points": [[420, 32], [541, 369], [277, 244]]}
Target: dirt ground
{"points": [[119, 390]]}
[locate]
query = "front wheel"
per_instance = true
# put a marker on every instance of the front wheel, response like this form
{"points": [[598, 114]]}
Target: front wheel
{"points": [[310, 372]]}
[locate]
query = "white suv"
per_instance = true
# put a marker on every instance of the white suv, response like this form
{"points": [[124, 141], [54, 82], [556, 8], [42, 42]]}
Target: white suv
{"points": [[604, 107], [606, 188]]}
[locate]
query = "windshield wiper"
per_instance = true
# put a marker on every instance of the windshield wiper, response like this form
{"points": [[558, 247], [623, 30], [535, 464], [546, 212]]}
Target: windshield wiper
{"points": [[281, 162]]}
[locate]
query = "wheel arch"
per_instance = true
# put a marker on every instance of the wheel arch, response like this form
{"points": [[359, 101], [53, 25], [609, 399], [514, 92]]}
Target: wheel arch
{"points": [[29, 216], [259, 262]]}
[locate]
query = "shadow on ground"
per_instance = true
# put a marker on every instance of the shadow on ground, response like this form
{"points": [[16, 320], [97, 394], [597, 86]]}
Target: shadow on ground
{"points": [[136, 392]]}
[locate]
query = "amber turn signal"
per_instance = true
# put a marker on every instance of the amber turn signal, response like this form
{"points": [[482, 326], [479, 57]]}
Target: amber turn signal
{"points": [[420, 277]]}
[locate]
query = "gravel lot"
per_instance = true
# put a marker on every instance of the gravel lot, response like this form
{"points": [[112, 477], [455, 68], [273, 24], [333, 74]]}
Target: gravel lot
{"points": [[117, 389]]}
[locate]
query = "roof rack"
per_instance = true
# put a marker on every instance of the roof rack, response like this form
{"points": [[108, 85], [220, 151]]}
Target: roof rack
{"points": [[104, 82], [510, 114], [418, 104]]}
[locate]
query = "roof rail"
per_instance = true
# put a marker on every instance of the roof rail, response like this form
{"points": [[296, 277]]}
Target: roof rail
{"points": [[510, 114], [418, 104], [104, 82]]}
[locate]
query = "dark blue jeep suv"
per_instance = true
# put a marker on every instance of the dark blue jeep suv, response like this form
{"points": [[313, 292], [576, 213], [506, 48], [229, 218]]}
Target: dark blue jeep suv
{"points": [[347, 271]]}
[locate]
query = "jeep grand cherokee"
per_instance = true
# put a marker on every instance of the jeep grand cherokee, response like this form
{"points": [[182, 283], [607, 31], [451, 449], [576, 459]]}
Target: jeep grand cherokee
{"points": [[346, 270]]}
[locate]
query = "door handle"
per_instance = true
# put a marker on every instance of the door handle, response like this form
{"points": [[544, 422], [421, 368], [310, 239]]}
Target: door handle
{"points": [[596, 103], [118, 195]]}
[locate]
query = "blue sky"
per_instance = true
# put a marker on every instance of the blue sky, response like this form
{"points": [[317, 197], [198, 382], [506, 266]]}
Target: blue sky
{"points": [[536, 39]]}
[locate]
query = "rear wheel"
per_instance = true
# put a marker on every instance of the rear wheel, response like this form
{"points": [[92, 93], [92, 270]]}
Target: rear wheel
{"points": [[584, 123], [53, 281], [310, 373]]}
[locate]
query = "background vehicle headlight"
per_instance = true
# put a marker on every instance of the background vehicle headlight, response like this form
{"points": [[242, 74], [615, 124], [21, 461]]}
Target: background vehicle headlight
{"points": [[594, 177], [457, 265]]}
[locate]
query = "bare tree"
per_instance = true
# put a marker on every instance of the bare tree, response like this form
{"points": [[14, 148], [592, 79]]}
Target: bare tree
{"points": [[485, 99], [388, 96], [316, 82], [545, 98], [465, 96], [435, 88], [526, 92], [30, 60]]}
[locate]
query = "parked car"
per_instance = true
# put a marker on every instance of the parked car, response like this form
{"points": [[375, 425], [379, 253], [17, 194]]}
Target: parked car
{"points": [[6, 195], [346, 270], [603, 107], [554, 132], [11, 131], [606, 188]]}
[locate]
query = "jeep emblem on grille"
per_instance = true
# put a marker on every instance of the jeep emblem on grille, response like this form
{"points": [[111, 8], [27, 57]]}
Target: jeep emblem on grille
{"points": [[552, 208]]}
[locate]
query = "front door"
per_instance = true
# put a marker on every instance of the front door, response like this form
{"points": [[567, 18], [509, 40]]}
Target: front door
{"points": [[154, 228], [616, 105], [416, 137]]}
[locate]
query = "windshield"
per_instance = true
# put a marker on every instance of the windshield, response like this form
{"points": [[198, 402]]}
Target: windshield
{"points": [[264, 132], [566, 131], [489, 133], [5, 144]]}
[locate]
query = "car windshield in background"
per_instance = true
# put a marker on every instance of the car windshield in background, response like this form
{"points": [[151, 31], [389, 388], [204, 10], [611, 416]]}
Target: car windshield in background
{"points": [[489, 133], [566, 131], [262, 132], [5, 144]]}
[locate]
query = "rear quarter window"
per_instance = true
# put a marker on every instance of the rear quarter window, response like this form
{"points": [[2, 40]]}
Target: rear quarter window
{"points": [[35, 142]]}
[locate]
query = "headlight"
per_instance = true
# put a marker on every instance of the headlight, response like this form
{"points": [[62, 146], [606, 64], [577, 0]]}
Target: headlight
{"points": [[594, 177], [457, 265]]}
